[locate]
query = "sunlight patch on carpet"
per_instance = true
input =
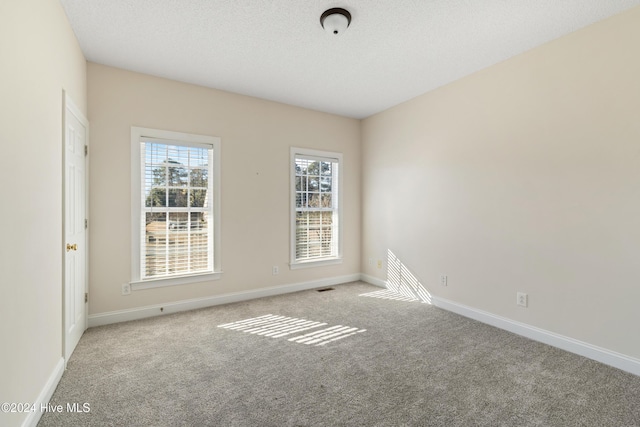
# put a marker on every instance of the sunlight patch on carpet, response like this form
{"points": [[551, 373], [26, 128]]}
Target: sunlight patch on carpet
{"points": [[274, 326], [389, 294], [401, 283], [325, 336]]}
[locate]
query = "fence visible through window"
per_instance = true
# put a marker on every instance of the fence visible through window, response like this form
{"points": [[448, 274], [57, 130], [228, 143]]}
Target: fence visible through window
{"points": [[316, 207], [177, 210]]}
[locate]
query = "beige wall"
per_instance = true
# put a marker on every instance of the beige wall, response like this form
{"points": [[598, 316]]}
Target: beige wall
{"points": [[39, 57], [522, 177], [256, 136]]}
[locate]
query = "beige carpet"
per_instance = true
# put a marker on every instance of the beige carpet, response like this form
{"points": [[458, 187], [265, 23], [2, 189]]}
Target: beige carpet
{"points": [[333, 358]]}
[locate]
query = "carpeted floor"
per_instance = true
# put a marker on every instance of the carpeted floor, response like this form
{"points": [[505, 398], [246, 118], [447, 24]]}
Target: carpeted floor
{"points": [[360, 362]]}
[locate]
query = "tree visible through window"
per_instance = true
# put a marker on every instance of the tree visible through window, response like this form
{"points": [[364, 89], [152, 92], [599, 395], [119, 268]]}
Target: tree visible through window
{"points": [[317, 219], [177, 210]]}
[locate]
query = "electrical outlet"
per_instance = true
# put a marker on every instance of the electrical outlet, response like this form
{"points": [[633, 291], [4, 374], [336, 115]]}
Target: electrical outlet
{"points": [[443, 280], [379, 263], [522, 299], [275, 270], [126, 289]]}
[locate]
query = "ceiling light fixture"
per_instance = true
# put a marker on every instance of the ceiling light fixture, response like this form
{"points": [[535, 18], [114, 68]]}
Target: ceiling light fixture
{"points": [[335, 20]]}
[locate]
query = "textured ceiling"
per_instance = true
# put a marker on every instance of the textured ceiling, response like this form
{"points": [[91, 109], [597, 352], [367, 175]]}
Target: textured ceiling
{"points": [[393, 51]]}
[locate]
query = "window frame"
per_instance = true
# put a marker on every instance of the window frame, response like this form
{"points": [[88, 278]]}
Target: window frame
{"points": [[328, 156], [137, 167]]}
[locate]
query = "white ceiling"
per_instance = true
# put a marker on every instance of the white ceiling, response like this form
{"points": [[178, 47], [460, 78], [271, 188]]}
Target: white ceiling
{"points": [[393, 51]]}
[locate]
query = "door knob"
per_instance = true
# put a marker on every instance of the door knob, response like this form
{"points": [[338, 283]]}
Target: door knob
{"points": [[71, 247]]}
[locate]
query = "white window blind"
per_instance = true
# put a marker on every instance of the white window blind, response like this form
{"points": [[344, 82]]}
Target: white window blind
{"points": [[176, 220], [316, 201]]}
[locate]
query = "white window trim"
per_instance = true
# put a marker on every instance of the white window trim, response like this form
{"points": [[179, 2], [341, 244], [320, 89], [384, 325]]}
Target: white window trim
{"points": [[136, 169], [321, 155]]}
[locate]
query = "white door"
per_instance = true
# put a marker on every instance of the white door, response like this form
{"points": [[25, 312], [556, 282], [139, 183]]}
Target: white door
{"points": [[75, 227]]}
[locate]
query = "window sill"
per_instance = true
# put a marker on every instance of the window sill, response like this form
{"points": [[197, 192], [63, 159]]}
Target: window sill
{"points": [[315, 263], [173, 281]]}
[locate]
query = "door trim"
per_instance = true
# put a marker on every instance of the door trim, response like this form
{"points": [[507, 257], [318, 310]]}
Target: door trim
{"points": [[69, 107]]}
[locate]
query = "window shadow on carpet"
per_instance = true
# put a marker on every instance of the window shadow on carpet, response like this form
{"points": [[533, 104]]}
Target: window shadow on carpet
{"points": [[402, 284], [275, 326]]}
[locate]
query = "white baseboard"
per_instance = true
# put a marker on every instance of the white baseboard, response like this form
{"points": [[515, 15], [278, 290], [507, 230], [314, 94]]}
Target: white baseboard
{"points": [[45, 395], [599, 354], [192, 304], [373, 280]]}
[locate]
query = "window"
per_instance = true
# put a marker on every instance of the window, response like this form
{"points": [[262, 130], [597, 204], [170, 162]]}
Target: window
{"points": [[175, 206], [315, 200]]}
